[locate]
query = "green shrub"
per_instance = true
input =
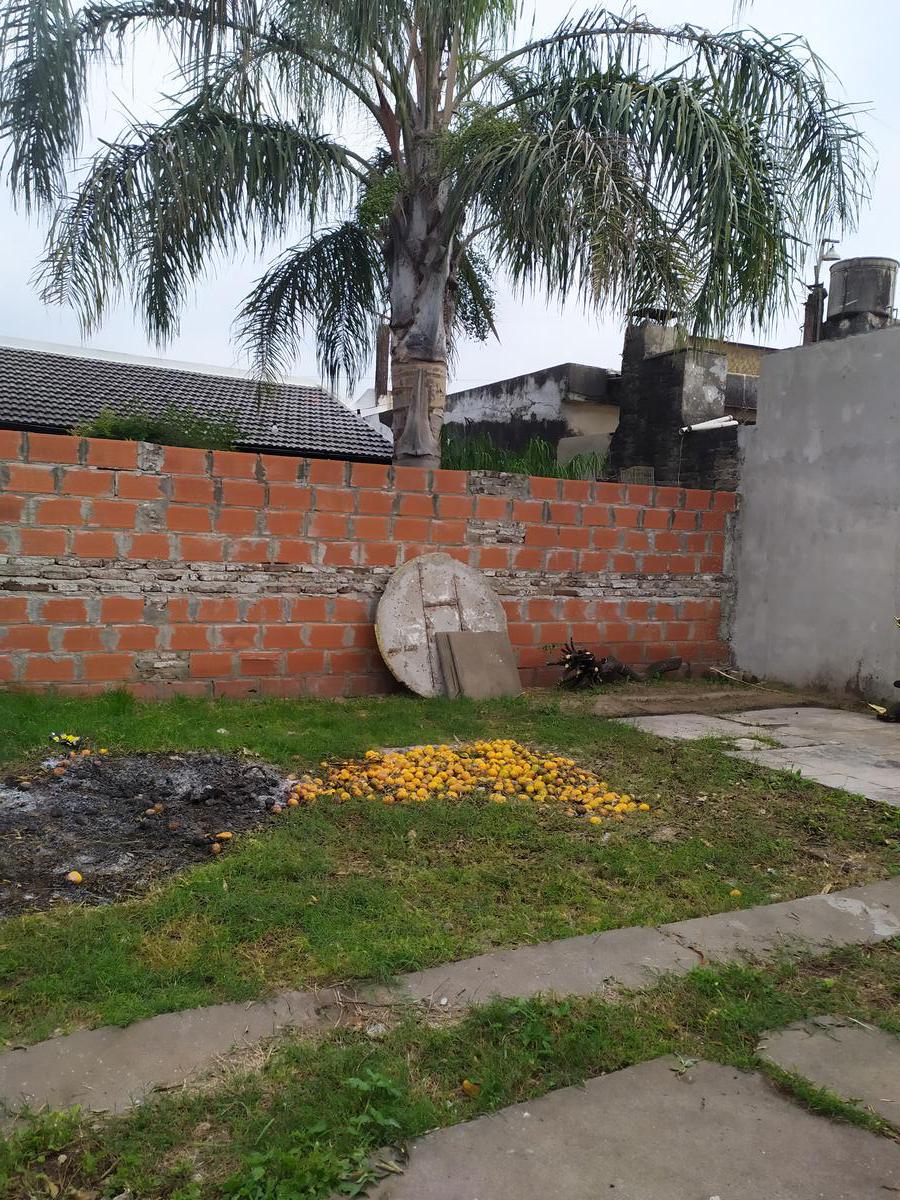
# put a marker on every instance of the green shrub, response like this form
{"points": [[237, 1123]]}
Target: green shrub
{"points": [[464, 452], [174, 426]]}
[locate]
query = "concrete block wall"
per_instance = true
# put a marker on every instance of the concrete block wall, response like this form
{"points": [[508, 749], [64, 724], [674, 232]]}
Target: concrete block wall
{"points": [[169, 570]]}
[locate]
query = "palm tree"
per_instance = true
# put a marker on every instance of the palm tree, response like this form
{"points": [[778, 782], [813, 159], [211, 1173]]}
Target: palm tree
{"points": [[628, 164]]}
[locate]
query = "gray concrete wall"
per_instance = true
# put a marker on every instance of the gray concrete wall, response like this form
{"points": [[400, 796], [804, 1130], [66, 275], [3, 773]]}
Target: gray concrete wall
{"points": [[818, 563]]}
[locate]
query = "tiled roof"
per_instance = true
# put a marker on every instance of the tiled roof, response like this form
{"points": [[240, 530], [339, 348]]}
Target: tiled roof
{"points": [[52, 390]]}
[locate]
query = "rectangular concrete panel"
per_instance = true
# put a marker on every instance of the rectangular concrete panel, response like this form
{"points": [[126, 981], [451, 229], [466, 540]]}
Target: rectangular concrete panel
{"points": [[651, 1132]]}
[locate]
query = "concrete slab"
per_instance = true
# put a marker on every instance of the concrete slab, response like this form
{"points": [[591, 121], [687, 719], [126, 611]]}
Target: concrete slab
{"points": [[847, 750], [579, 966], [651, 1132], [856, 916], [111, 1068], [480, 665], [670, 696], [857, 1062]]}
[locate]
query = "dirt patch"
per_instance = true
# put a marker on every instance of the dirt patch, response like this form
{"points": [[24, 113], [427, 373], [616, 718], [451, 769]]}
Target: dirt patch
{"points": [[633, 700], [122, 821]]}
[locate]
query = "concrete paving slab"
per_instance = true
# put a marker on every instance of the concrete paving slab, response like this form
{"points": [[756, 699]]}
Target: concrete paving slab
{"points": [[685, 726], [579, 966], [651, 1132], [857, 916], [839, 765], [857, 1062], [111, 1068]]}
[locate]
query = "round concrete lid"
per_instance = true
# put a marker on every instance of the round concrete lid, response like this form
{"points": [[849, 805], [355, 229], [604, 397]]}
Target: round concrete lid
{"points": [[431, 594]]}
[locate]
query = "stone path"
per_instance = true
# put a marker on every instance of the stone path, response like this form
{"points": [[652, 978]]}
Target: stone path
{"points": [[857, 1062], [848, 750], [109, 1069], [651, 1132]]}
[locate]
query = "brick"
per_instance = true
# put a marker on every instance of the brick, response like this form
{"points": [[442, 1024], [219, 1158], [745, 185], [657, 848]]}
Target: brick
{"points": [[201, 549], [178, 608], [183, 460], [649, 631], [48, 670], [411, 529], [284, 523], [188, 637], [624, 563], [637, 610], [280, 466], [352, 609], [682, 564], [544, 489], [655, 564], [327, 685], [11, 509], [80, 482], [82, 638], [45, 543], [302, 662], [664, 611], [528, 558], [292, 550], [259, 663], [573, 537], [494, 558], [107, 666], [541, 535], [378, 554], [24, 637], [491, 508], [121, 610], [236, 521], [268, 608], [694, 543], [24, 478], [234, 464], [586, 633], [136, 637], [248, 550], [283, 637], [323, 470], [597, 514], [542, 609], [13, 608], [92, 543], [52, 448], [377, 529], [576, 490], [193, 489], [565, 514], [605, 539], [710, 564], [239, 637], [208, 666], [626, 518], [561, 560], [450, 482], [138, 487], [666, 540], [724, 501], [333, 500], [235, 689], [113, 514], [217, 608], [713, 520], [243, 492], [374, 502], [677, 631], [615, 631], [369, 475], [11, 444], [528, 510], [362, 635], [149, 546], [59, 511], [329, 525], [669, 497], [309, 608], [103, 452], [182, 518], [697, 499], [638, 493], [343, 661], [608, 493], [411, 479], [415, 505], [655, 518], [523, 633], [684, 520], [635, 539]]}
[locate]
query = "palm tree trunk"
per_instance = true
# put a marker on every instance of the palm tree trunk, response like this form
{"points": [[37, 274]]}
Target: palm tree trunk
{"points": [[420, 270]]}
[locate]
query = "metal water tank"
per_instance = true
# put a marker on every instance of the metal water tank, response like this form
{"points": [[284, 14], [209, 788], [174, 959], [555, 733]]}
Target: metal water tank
{"points": [[862, 285]]}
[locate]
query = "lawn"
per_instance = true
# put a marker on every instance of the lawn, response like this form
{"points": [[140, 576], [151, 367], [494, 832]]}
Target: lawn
{"points": [[302, 1120], [364, 891]]}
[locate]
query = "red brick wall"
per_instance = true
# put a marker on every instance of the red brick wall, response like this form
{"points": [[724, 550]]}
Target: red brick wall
{"points": [[165, 569]]}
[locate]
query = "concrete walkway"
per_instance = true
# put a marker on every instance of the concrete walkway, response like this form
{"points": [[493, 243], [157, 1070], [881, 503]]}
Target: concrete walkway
{"points": [[848, 750], [109, 1069], [651, 1132]]}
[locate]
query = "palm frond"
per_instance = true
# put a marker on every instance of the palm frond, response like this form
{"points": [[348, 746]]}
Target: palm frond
{"points": [[335, 284]]}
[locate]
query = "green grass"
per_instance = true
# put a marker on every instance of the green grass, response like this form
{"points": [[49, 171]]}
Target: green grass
{"points": [[304, 1119], [344, 891]]}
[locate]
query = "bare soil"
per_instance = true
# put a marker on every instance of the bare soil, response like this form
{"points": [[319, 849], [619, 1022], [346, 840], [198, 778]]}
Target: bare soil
{"points": [[121, 821]]}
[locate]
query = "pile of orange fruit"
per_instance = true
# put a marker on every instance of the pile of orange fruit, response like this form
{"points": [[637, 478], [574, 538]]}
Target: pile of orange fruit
{"points": [[502, 769]]}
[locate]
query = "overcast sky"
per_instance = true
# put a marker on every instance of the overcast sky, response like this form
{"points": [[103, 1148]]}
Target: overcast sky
{"points": [[858, 41]]}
